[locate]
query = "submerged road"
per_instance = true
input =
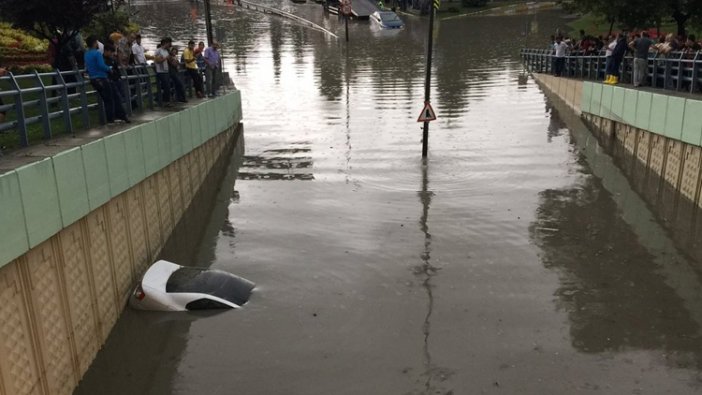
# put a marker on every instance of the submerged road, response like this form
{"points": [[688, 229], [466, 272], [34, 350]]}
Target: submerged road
{"points": [[517, 259]]}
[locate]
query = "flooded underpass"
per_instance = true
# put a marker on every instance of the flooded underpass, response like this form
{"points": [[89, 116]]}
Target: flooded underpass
{"points": [[517, 259]]}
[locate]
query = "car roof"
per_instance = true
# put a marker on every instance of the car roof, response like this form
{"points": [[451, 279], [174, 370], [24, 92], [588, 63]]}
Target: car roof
{"points": [[220, 284]]}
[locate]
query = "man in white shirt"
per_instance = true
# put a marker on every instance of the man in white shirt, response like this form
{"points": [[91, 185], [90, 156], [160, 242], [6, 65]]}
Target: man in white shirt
{"points": [[560, 48], [162, 75], [138, 51]]}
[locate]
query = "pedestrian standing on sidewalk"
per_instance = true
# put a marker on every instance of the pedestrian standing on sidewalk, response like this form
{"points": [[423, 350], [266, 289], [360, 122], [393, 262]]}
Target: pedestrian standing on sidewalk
{"points": [[192, 70], [212, 68], [162, 75], [98, 72], [611, 42], [560, 49], [641, 47], [617, 57]]}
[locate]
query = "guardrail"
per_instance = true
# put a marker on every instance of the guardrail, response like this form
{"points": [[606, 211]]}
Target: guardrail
{"points": [[679, 71], [40, 98]]}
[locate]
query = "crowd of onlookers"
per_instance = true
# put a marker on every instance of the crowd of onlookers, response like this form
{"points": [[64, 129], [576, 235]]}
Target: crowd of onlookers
{"points": [[616, 46], [108, 60], [104, 63]]}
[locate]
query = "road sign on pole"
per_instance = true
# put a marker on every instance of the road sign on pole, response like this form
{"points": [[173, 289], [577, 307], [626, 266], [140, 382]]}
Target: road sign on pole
{"points": [[427, 114]]}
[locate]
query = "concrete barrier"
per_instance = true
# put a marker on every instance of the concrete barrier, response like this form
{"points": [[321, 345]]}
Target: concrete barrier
{"points": [[662, 132], [81, 227]]}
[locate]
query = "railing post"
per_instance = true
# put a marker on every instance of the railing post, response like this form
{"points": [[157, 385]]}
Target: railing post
{"points": [[43, 107], [84, 101], [19, 107], [65, 105], [126, 91], [678, 83], [695, 71]]}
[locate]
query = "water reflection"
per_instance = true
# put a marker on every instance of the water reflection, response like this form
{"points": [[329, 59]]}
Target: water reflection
{"points": [[622, 283], [289, 164]]}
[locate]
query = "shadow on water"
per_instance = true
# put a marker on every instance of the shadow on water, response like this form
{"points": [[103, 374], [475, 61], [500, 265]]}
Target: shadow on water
{"points": [[153, 342], [623, 284]]}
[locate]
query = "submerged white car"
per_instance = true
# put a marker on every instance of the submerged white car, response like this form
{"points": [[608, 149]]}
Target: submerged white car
{"points": [[170, 287], [386, 20]]}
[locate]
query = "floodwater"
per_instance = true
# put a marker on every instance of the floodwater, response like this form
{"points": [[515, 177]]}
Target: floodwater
{"points": [[517, 259]]}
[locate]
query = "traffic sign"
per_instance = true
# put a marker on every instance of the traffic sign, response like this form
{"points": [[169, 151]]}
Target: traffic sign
{"points": [[427, 114]]}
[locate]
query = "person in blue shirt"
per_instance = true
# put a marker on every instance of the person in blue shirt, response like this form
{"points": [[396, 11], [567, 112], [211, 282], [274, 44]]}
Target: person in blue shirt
{"points": [[98, 72]]}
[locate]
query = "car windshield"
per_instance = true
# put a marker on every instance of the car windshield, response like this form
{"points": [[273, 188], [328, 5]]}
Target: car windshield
{"points": [[212, 282], [389, 17]]}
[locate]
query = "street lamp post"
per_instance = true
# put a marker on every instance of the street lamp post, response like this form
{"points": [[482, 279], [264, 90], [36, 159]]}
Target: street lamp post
{"points": [[208, 23]]}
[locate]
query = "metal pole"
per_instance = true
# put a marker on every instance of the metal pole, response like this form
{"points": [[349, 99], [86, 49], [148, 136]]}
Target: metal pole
{"points": [[346, 19], [208, 23], [427, 82]]}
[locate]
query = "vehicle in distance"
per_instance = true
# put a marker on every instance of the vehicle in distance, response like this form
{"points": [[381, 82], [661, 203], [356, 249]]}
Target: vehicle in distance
{"points": [[386, 20], [167, 286]]}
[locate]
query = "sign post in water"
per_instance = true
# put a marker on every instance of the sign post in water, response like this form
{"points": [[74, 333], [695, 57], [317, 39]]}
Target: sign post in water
{"points": [[428, 114]]}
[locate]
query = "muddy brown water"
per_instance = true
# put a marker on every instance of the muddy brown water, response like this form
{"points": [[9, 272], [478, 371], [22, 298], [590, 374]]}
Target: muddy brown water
{"points": [[517, 259]]}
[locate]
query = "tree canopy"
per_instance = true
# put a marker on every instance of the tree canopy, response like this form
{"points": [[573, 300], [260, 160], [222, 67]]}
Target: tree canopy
{"points": [[631, 14], [59, 19]]}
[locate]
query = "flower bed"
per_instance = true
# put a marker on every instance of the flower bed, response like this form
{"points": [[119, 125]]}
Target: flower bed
{"points": [[20, 51]]}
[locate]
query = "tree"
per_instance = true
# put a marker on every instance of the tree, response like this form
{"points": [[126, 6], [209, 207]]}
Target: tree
{"points": [[683, 11], [58, 20]]}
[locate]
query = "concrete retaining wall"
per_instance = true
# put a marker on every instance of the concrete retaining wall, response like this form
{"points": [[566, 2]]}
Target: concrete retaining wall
{"points": [[661, 133], [78, 229]]}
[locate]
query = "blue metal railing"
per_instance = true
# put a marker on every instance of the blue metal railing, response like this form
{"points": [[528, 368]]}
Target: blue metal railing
{"points": [[679, 71], [40, 98]]}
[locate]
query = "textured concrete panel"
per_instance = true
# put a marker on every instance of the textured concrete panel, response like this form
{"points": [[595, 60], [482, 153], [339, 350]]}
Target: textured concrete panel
{"points": [[96, 175], [13, 232], [185, 183], [658, 151], [643, 110], [19, 369], [673, 163], [175, 191], [137, 231], [116, 211], [50, 315], [101, 271], [674, 117], [149, 139], [631, 97], [692, 123], [72, 189], [689, 185], [42, 212], [630, 139], [165, 208], [643, 145], [136, 163], [204, 122], [618, 103], [74, 252], [153, 220], [659, 109], [116, 150]]}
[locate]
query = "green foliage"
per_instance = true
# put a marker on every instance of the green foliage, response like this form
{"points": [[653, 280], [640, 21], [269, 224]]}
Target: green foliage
{"points": [[105, 23], [629, 14]]}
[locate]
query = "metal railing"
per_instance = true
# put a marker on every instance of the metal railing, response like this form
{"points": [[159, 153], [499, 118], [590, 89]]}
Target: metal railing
{"points": [[679, 71], [42, 98]]}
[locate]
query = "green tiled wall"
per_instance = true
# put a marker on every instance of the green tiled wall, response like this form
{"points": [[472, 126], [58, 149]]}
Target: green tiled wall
{"points": [[38, 200], [675, 117]]}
